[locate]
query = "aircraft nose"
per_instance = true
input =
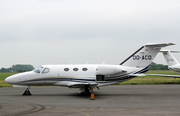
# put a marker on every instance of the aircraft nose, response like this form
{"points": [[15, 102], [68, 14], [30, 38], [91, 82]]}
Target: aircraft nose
{"points": [[8, 80], [11, 79]]}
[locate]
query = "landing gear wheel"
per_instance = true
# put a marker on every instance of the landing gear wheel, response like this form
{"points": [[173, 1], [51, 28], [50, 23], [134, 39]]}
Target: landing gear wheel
{"points": [[86, 92], [27, 92]]}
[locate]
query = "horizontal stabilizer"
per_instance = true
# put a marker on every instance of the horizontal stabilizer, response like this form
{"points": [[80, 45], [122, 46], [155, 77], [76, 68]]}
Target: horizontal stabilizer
{"points": [[159, 45]]}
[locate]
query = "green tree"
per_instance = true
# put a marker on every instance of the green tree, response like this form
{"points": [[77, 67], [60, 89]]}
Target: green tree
{"points": [[154, 66], [18, 68]]}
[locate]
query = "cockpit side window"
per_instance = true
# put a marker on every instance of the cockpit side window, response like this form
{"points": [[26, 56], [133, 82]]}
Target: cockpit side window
{"points": [[38, 70], [46, 70]]}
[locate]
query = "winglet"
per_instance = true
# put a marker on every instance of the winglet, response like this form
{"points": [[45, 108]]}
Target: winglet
{"points": [[159, 45]]}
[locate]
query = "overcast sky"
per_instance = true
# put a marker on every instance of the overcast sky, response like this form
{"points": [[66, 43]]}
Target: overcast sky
{"points": [[84, 31]]}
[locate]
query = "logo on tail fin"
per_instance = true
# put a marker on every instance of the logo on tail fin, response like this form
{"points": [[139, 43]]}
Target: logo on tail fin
{"points": [[170, 60]]}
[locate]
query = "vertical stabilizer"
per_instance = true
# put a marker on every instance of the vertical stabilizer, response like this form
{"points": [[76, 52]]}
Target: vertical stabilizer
{"points": [[170, 59], [145, 55]]}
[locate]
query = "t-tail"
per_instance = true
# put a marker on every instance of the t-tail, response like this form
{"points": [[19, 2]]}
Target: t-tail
{"points": [[143, 57], [170, 59]]}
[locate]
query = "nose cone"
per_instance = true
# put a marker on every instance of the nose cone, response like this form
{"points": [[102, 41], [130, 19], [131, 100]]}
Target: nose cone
{"points": [[7, 80], [11, 79], [19, 78]]}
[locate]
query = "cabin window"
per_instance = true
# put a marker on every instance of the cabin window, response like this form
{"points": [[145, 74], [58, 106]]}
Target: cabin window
{"points": [[84, 69], [75, 69], [66, 69], [46, 70]]}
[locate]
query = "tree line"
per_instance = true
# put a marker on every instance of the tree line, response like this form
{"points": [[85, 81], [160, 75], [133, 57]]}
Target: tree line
{"points": [[154, 66], [17, 68]]}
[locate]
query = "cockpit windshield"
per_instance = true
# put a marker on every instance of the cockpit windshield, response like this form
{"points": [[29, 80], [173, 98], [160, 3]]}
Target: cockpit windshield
{"points": [[38, 70]]}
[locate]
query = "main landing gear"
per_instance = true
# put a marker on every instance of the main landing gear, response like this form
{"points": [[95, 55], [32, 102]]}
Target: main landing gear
{"points": [[27, 92], [87, 91]]}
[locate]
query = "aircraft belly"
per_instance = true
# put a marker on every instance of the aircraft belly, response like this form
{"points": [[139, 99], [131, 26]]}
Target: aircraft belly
{"points": [[37, 83], [114, 80]]}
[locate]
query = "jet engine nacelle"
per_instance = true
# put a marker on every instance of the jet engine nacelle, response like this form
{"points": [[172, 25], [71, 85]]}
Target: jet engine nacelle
{"points": [[108, 70]]}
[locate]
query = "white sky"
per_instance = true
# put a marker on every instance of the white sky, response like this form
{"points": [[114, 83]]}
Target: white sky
{"points": [[79, 31]]}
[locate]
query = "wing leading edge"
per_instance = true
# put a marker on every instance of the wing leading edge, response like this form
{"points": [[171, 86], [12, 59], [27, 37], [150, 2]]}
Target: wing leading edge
{"points": [[162, 75], [76, 84]]}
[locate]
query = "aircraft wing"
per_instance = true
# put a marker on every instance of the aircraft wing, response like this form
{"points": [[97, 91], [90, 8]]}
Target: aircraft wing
{"points": [[76, 84], [162, 75], [137, 75]]}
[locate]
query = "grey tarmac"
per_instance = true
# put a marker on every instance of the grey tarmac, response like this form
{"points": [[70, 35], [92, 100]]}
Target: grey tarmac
{"points": [[115, 100]]}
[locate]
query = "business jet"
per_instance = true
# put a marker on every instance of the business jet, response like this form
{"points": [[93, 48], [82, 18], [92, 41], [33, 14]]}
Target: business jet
{"points": [[87, 77], [172, 62]]}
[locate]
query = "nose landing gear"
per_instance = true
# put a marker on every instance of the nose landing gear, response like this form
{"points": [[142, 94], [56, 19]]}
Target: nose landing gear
{"points": [[27, 92]]}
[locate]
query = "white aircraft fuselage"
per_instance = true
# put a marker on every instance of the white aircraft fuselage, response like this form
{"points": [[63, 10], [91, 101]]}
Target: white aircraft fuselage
{"points": [[89, 76], [175, 68], [71, 75]]}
